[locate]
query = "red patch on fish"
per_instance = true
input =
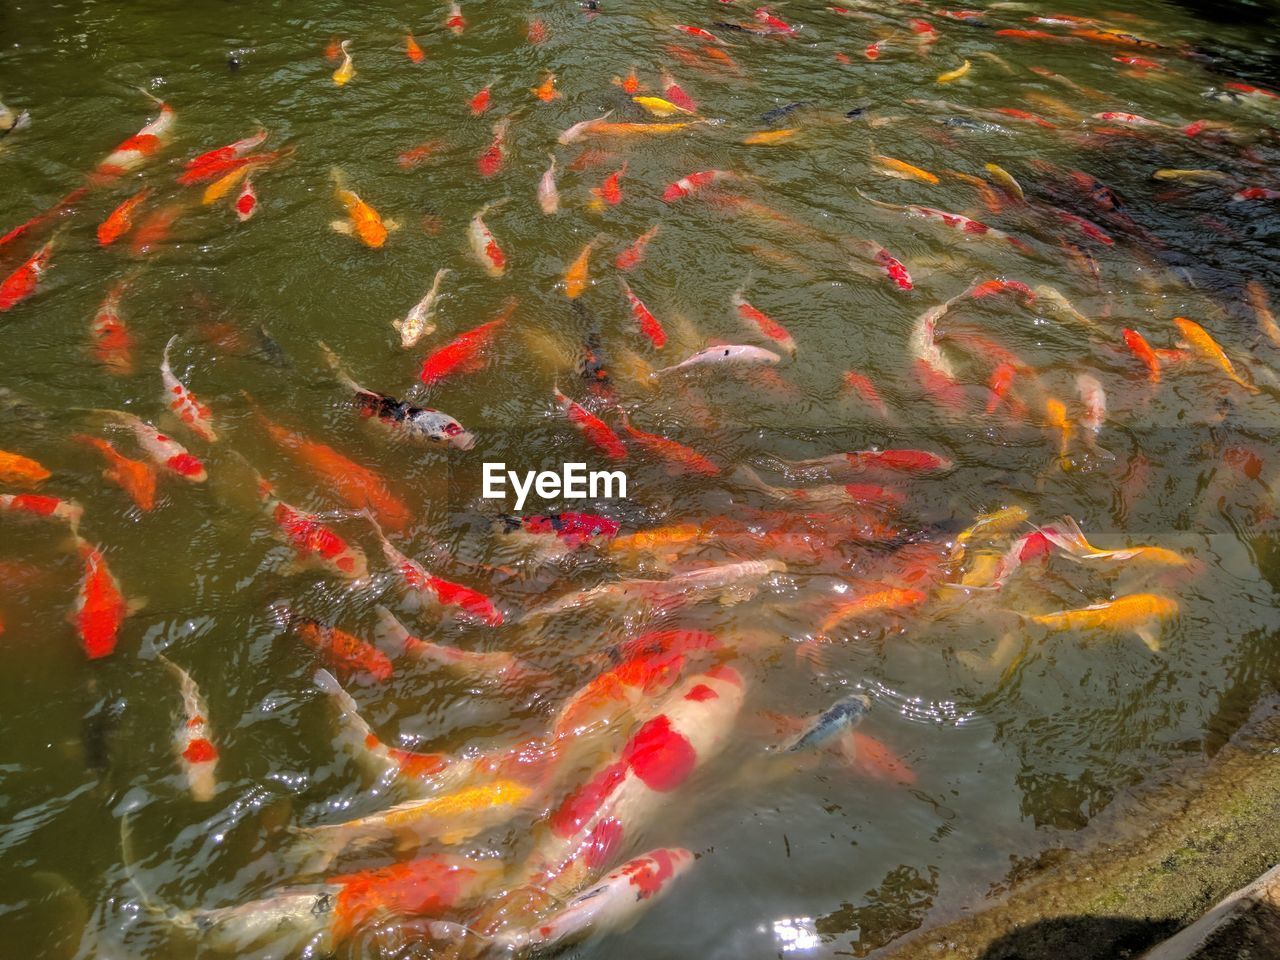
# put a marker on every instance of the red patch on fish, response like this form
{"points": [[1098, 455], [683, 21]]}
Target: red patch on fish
{"points": [[660, 756]]}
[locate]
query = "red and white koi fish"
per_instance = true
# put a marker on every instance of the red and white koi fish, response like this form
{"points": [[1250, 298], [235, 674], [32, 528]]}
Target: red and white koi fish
{"points": [[145, 143], [455, 22], [1129, 119], [490, 162], [466, 353], [763, 324], [597, 432], [246, 203], [862, 461], [892, 267], [635, 253], [23, 282], [163, 450], [729, 354], [687, 186], [232, 151], [699, 34], [573, 530], [425, 586], [612, 905], [679, 458], [955, 221], [924, 347], [645, 320], [484, 246], [495, 665], [120, 220], [842, 495], [672, 91], [100, 608], [548, 195], [774, 24], [35, 505], [111, 343], [1256, 193], [183, 402], [195, 748], [312, 541]]}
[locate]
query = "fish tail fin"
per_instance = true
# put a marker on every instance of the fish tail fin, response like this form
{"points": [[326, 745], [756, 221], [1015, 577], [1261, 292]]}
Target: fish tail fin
{"points": [[151, 96], [339, 179], [1066, 535], [167, 348], [150, 902]]}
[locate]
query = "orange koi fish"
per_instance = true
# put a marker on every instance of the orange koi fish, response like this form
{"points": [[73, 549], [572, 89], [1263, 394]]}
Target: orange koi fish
{"points": [[145, 143], [576, 277], [215, 158], [416, 155], [535, 31], [592, 427], [64, 205], [120, 220], [23, 282], [1140, 613], [1142, 350], [679, 458], [224, 185], [347, 69], [134, 477], [1204, 346], [195, 750], [412, 50], [100, 608], [365, 222], [466, 353], [647, 322], [183, 402], [891, 599], [480, 102], [903, 170], [610, 191], [360, 487], [862, 385], [154, 230], [1256, 294], [763, 324], [164, 451], [764, 138], [21, 471], [632, 255], [347, 654], [546, 91]]}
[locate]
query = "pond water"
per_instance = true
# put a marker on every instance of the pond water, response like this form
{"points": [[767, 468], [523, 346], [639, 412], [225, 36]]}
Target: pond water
{"points": [[1117, 164]]}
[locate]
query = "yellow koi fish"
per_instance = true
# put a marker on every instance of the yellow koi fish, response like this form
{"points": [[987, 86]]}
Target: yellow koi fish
{"points": [[659, 107], [955, 74], [988, 526], [1056, 415], [347, 70], [1137, 612], [636, 129], [576, 277], [1003, 177], [1204, 346], [903, 170], [365, 223], [767, 137], [1066, 535]]}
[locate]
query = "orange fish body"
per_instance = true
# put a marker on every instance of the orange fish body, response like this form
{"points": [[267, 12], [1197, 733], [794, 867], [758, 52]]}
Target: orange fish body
{"points": [[312, 540], [120, 220], [592, 427], [1142, 350], [21, 471], [339, 648], [134, 477], [680, 459], [1208, 349], [611, 190], [546, 91], [366, 224], [100, 608], [35, 505], [24, 281], [466, 353], [112, 345], [576, 277], [892, 599], [635, 253], [412, 50]]}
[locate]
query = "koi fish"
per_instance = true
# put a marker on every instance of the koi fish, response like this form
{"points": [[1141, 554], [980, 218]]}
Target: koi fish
{"points": [[480, 102], [100, 608], [483, 245], [862, 461], [548, 195], [112, 345], [694, 182], [426, 587], [416, 155], [536, 31], [610, 191], [163, 450], [903, 170], [120, 220], [571, 529], [342, 76], [843, 715], [576, 277], [1257, 297], [183, 402], [224, 185], [196, 751], [466, 353], [579, 130], [874, 602], [634, 254], [862, 385], [35, 505], [145, 143], [1006, 180], [592, 427], [1139, 613], [246, 203], [612, 905], [416, 423], [675, 94], [364, 221], [23, 282], [420, 321], [679, 458], [1204, 346], [732, 354], [134, 477], [1094, 399], [660, 107], [60, 208], [602, 128], [698, 33], [1256, 193], [765, 325], [21, 471], [764, 138], [648, 323], [951, 75], [412, 50], [232, 151], [360, 487], [312, 541], [497, 665], [1066, 535], [954, 220], [1001, 380], [1138, 345], [455, 22], [546, 91], [346, 653], [1056, 413]]}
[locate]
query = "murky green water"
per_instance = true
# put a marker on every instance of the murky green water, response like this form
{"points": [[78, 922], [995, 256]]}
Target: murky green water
{"points": [[1011, 736]]}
